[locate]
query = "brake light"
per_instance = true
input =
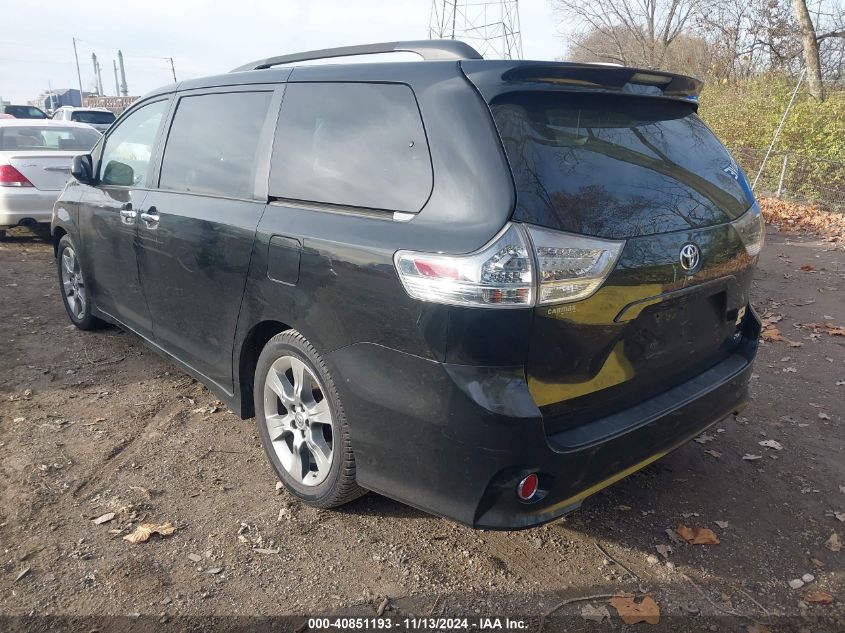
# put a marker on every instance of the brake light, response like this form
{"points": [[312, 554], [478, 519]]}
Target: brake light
{"points": [[522, 266], [500, 274], [11, 177]]}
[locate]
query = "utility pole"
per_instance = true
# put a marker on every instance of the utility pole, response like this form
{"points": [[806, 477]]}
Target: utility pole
{"points": [[124, 89], [78, 74], [173, 69], [116, 84]]}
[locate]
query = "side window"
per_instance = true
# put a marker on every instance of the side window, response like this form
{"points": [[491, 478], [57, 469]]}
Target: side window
{"points": [[354, 144], [213, 143], [129, 148]]}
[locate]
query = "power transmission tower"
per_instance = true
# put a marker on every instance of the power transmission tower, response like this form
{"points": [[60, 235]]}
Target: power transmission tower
{"points": [[490, 26]]}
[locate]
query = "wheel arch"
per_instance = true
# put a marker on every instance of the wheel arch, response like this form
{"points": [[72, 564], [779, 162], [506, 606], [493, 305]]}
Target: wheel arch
{"points": [[58, 233], [250, 350]]}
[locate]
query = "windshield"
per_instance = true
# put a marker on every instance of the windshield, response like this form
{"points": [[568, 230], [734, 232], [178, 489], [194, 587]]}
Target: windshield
{"points": [[92, 117], [616, 166], [24, 112], [48, 138]]}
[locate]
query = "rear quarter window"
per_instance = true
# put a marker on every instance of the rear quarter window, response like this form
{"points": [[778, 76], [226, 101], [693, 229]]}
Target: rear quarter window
{"points": [[351, 144]]}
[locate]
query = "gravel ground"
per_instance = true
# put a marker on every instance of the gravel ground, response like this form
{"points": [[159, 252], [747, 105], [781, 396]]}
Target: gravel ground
{"points": [[94, 423]]}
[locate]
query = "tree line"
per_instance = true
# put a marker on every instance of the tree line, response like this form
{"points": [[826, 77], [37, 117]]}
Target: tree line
{"points": [[722, 40]]}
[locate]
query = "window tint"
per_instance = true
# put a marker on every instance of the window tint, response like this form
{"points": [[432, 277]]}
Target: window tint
{"points": [[213, 142], [47, 138], [615, 166], [92, 116], [355, 144], [129, 148]]}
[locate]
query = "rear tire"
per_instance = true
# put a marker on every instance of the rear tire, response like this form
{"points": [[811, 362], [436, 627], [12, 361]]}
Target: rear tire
{"points": [[73, 286], [301, 423]]}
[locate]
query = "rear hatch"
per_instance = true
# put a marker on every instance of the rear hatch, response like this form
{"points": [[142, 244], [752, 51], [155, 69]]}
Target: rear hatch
{"points": [[621, 154]]}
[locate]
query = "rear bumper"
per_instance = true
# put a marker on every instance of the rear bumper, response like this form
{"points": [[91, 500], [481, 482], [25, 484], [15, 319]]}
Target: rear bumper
{"points": [[455, 440], [18, 204]]}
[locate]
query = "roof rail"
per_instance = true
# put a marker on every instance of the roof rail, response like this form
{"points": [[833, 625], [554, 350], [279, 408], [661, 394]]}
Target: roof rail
{"points": [[427, 49]]}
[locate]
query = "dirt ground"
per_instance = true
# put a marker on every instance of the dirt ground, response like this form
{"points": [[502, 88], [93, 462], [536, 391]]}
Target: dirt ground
{"points": [[94, 423]]}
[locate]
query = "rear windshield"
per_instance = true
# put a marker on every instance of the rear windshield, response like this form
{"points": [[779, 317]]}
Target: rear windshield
{"points": [[89, 116], [616, 166], [25, 112], [51, 138]]}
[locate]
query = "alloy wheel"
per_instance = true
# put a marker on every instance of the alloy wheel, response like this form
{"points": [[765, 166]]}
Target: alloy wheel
{"points": [[73, 284], [299, 420]]}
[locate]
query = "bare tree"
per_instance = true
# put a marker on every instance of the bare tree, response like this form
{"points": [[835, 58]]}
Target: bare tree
{"points": [[810, 45], [634, 32]]}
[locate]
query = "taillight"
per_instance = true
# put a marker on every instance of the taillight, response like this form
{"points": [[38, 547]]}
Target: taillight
{"points": [[11, 177], [751, 230], [500, 274], [522, 266]]}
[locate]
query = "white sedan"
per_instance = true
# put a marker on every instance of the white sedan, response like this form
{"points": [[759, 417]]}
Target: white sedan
{"points": [[35, 158]]}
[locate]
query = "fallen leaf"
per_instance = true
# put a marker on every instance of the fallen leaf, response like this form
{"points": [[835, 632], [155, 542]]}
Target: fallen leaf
{"points": [[194, 557], [834, 543], [105, 518], [771, 444], [807, 268], [713, 453], [823, 415], [840, 516], [772, 334], [704, 438], [817, 562], [213, 570], [594, 614], [664, 550], [24, 572], [144, 531], [818, 597], [633, 612], [721, 524], [697, 535], [751, 458], [623, 508]]}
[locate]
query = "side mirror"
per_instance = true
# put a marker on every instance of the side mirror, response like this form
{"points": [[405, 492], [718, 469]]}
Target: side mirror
{"points": [[82, 169]]}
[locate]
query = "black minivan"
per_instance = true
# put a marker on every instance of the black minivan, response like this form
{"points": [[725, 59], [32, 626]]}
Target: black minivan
{"points": [[485, 288]]}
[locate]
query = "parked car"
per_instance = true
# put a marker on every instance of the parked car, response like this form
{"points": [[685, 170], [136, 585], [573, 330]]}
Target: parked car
{"points": [[485, 288], [98, 118], [24, 111], [35, 161]]}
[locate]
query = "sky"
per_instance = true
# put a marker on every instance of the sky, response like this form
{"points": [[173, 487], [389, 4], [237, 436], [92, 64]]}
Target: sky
{"points": [[204, 37]]}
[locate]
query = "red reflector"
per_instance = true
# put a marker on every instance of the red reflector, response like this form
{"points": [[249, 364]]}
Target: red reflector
{"points": [[527, 488], [11, 177]]}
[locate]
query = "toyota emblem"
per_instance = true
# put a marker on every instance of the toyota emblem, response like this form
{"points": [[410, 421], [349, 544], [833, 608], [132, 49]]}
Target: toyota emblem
{"points": [[690, 257]]}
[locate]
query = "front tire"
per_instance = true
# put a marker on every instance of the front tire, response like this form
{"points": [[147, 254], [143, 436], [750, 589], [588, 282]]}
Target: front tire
{"points": [[73, 286], [302, 424]]}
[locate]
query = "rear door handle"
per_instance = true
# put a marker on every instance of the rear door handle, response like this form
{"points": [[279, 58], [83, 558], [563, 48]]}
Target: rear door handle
{"points": [[150, 218]]}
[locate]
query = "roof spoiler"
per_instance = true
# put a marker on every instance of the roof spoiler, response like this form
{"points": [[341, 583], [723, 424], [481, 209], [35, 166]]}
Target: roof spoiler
{"points": [[494, 78], [430, 50]]}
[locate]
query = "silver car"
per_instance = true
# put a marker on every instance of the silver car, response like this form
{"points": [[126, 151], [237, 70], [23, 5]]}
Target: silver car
{"points": [[35, 157]]}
